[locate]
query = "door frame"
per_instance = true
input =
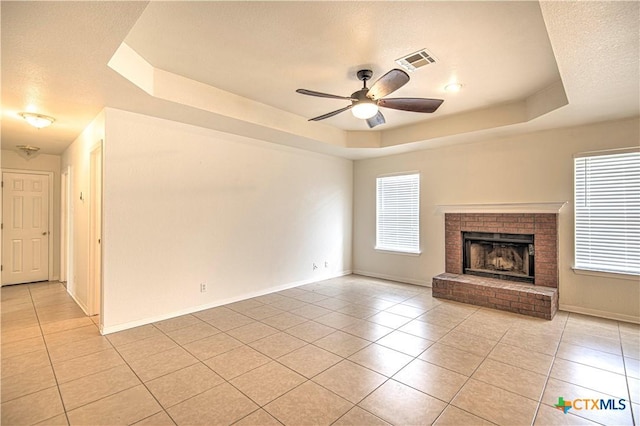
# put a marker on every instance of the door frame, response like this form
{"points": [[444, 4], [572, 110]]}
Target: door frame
{"points": [[66, 226], [94, 294], [50, 276]]}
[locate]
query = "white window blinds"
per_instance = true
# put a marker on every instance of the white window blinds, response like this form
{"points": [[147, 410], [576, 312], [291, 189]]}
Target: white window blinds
{"points": [[607, 212], [398, 213]]}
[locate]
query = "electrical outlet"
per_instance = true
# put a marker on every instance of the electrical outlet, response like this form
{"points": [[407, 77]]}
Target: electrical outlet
{"points": [[326, 264], [315, 266], [203, 287]]}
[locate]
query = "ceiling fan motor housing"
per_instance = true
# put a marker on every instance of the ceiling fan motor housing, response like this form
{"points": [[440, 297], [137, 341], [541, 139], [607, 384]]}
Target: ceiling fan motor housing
{"points": [[360, 95], [364, 75]]}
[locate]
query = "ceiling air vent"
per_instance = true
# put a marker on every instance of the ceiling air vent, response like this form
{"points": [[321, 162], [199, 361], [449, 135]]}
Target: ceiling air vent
{"points": [[416, 60]]}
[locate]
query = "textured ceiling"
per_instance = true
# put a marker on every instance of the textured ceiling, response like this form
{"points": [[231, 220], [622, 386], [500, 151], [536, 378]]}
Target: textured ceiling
{"points": [[54, 58], [234, 66], [265, 51]]}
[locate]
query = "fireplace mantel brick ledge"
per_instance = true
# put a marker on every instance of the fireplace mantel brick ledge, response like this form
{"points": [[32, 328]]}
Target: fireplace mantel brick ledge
{"points": [[513, 296], [536, 301]]}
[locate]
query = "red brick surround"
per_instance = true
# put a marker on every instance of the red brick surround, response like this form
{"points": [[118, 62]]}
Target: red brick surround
{"points": [[543, 226]]}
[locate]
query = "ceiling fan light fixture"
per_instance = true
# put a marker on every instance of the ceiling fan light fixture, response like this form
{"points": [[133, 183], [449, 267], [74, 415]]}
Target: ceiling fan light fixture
{"points": [[364, 109], [365, 102], [38, 121]]}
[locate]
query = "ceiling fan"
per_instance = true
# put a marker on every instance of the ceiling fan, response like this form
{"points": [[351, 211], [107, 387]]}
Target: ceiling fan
{"points": [[365, 102]]}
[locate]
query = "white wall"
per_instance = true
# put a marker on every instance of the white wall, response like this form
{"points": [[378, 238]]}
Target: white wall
{"points": [[186, 205], [77, 159], [47, 163], [536, 167]]}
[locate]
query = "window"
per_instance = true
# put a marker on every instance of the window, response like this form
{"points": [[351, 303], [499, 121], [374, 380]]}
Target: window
{"points": [[607, 212], [398, 213]]}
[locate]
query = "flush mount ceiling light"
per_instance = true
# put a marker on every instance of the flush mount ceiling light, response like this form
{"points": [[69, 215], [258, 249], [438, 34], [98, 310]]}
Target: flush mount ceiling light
{"points": [[27, 150], [453, 87], [38, 121]]}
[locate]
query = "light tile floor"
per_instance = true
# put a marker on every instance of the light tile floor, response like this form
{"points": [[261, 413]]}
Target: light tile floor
{"points": [[347, 351]]}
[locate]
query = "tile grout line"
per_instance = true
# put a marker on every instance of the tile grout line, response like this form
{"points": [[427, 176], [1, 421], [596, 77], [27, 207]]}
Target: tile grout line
{"points": [[162, 409], [342, 358], [260, 407], [470, 375], [276, 360], [546, 382], [414, 358], [387, 378], [320, 385], [555, 357], [626, 376], [55, 376], [103, 397], [570, 383]]}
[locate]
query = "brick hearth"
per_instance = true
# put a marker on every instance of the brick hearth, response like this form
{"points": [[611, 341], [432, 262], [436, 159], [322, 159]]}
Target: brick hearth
{"points": [[539, 300], [535, 301]]}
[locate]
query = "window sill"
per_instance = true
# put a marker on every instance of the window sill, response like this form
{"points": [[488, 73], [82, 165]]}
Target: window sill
{"points": [[603, 274], [402, 253]]}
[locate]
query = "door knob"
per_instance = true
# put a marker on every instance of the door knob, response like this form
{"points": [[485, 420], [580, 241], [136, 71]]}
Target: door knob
{"points": [[45, 233]]}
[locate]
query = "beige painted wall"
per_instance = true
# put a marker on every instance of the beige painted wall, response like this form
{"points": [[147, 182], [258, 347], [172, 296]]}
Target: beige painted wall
{"points": [[186, 205], [48, 163], [76, 159], [536, 167]]}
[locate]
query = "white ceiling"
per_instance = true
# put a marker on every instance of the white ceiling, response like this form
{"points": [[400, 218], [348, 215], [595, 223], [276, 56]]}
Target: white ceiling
{"points": [[524, 66], [265, 51]]}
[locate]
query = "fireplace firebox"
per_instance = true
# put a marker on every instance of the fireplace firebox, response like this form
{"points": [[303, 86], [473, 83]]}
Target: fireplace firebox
{"points": [[496, 255]]}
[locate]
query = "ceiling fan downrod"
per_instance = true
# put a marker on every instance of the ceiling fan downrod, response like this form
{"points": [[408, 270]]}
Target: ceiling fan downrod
{"points": [[364, 75]]}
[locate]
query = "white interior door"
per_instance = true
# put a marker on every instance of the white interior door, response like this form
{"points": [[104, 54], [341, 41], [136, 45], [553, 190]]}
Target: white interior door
{"points": [[25, 222]]}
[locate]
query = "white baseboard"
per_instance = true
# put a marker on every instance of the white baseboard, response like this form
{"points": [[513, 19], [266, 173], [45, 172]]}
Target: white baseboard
{"points": [[340, 274], [393, 278], [125, 326], [598, 313], [84, 307]]}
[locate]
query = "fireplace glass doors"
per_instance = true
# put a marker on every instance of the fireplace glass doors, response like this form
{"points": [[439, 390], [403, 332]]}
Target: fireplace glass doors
{"points": [[495, 255]]}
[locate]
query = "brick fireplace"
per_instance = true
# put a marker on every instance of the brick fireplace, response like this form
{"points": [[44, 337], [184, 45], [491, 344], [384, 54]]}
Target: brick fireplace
{"points": [[513, 240], [543, 227]]}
